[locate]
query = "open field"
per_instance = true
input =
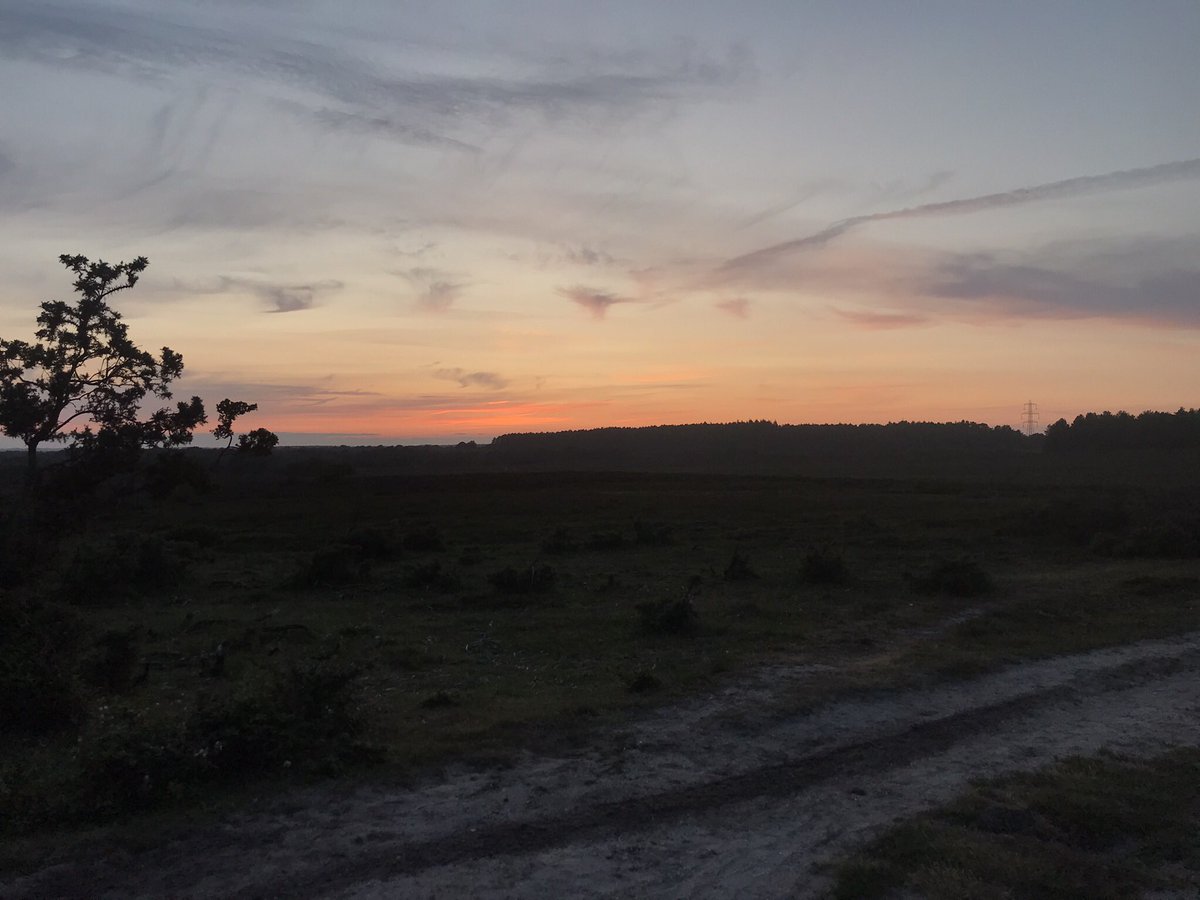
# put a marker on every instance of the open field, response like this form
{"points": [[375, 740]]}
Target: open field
{"points": [[317, 623]]}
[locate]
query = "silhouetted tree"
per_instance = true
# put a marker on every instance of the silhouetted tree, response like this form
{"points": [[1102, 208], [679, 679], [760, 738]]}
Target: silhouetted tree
{"points": [[84, 370], [258, 442]]}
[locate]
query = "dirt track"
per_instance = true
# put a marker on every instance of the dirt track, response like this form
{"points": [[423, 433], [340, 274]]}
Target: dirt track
{"points": [[727, 794]]}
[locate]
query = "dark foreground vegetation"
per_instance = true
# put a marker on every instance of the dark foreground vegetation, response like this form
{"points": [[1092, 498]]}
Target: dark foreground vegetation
{"points": [[1086, 829], [288, 618]]}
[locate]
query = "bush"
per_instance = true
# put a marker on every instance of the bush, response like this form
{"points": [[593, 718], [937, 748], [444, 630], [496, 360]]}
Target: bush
{"points": [[424, 540], [331, 567], [739, 568], [372, 543], [40, 692], [824, 566], [957, 578], [532, 580], [429, 575], [559, 542], [111, 663], [649, 534], [669, 617], [120, 565]]}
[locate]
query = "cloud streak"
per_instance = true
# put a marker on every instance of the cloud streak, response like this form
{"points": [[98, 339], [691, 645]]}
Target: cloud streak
{"points": [[491, 380], [1124, 179], [594, 300]]}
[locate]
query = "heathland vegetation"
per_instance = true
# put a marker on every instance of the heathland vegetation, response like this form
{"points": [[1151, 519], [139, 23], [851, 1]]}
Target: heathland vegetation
{"points": [[175, 632]]}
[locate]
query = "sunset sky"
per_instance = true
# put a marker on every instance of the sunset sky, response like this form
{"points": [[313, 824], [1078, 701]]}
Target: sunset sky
{"points": [[407, 222]]}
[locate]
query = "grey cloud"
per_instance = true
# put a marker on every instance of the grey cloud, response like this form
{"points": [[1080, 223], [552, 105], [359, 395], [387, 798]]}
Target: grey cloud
{"points": [[587, 256], [595, 301], [435, 291], [876, 321], [279, 298], [1033, 289], [489, 380], [350, 90], [1054, 190]]}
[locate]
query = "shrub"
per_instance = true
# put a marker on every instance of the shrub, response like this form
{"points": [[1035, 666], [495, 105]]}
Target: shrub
{"points": [[424, 540], [123, 564], [739, 568], [669, 616], [824, 566], [649, 534], [39, 688], [111, 663], [429, 575], [559, 542], [957, 578], [606, 540], [372, 543], [531, 580], [330, 567]]}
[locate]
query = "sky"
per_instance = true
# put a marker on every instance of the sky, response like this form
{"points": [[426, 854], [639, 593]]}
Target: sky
{"points": [[414, 222]]}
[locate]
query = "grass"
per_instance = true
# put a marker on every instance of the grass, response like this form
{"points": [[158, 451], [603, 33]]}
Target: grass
{"points": [[475, 610], [1089, 828]]}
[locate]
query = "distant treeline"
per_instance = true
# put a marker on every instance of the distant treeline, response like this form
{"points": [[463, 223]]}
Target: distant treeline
{"points": [[1122, 431], [765, 441]]}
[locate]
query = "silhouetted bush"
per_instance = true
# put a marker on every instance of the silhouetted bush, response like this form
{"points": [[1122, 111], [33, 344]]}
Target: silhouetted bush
{"points": [[650, 534], [111, 663], [109, 568], [824, 566], [201, 535], [606, 540], [532, 580], [39, 689], [739, 568], [372, 543], [429, 575], [559, 542], [330, 567], [424, 540], [669, 616], [957, 578], [172, 472]]}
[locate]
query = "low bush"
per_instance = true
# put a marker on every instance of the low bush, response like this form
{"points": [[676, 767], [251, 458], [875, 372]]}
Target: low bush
{"points": [[430, 575], [330, 567], [956, 578], [121, 565], [669, 617], [824, 566], [739, 568], [530, 580], [40, 692]]}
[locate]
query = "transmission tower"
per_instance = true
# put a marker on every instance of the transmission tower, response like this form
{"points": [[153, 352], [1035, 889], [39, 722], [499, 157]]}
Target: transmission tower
{"points": [[1029, 418]]}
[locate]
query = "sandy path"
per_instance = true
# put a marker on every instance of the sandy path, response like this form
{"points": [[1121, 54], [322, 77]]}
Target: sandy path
{"points": [[727, 794]]}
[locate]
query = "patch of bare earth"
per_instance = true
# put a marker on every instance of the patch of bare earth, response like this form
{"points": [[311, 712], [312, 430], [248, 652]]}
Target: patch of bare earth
{"points": [[737, 793]]}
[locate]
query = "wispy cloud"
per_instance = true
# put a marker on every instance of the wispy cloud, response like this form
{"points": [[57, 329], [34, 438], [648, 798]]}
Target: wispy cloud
{"points": [[491, 380], [1054, 190], [436, 291], [738, 307], [876, 321], [594, 300], [587, 256]]}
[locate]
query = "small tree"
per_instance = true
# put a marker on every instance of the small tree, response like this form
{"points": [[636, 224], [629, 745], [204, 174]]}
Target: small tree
{"points": [[84, 369], [259, 442]]}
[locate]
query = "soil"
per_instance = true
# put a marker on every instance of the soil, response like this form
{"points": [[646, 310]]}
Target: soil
{"points": [[744, 792]]}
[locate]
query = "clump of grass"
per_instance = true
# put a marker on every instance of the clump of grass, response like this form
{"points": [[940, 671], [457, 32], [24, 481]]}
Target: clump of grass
{"points": [[739, 568], [426, 539], [824, 566], [956, 578], [673, 617], [531, 580], [330, 567], [429, 576], [1098, 827]]}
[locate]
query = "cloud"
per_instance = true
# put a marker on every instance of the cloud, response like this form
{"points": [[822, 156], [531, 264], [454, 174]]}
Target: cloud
{"points": [[878, 321], [381, 92], [587, 256], [738, 307], [285, 298], [1054, 190], [435, 291], [595, 301], [1030, 288], [490, 380]]}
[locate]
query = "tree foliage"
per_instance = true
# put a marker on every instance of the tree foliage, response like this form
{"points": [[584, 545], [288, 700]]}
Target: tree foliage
{"points": [[84, 378]]}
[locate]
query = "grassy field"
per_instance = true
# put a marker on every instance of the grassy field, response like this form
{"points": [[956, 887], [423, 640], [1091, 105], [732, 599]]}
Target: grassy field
{"points": [[320, 623], [1088, 828]]}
